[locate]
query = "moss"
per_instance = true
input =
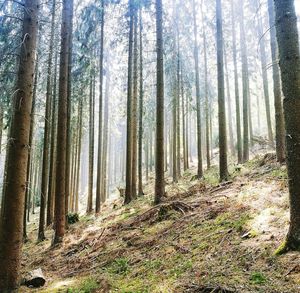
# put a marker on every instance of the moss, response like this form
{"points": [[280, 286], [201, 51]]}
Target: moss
{"points": [[283, 248], [258, 278]]}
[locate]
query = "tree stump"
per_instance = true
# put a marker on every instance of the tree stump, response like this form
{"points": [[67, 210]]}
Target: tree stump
{"points": [[35, 279]]}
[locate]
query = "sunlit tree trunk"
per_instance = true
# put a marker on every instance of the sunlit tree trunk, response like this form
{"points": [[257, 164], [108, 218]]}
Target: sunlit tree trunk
{"points": [[12, 210]]}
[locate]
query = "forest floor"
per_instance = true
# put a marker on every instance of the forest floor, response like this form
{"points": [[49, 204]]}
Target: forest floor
{"points": [[205, 237]]}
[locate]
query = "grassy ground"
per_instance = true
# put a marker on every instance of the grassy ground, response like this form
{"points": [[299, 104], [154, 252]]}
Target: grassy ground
{"points": [[204, 237]]}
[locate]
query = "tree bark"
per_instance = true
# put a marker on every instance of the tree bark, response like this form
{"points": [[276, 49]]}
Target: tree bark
{"points": [[141, 108], [221, 96], [12, 210], [99, 163], [49, 100], [60, 190], [128, 189], [279, 117], [198, 105], [288, 45], [159, 147], [245, 85], [236, 88]]}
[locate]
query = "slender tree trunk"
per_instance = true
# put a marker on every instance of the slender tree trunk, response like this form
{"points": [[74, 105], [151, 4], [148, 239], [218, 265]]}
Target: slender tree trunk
{"points": [[159, 147], [69, 114], [11, 222], [105, 136], [128, 189], [91, 144], [263, 59], [60, 190], [134, 111], [206, 92], [279, 117], [245, 85], [31, 148], [236, 87], [178, 113], [99, 163], [221, 96], [78, 156], [49, 99], [229, 107], [51, 187], [198, 104], [141, 108], [174, 140], [288, 44]]}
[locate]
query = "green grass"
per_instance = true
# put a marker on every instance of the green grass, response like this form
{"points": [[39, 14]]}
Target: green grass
{"points": [[258, 278]]}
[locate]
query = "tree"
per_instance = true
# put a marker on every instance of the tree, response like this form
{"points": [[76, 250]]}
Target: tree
{"points": [[128, 190], [60, 192], [279, 118], [197, 80], [45, 170], [236, 87], [98, 184], [12, 210], [289, 56], [159, 159], [141, 109], [245, 80], [221, 95]]}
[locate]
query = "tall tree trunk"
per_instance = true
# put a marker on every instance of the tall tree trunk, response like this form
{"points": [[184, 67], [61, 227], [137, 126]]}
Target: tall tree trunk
{"points": [[69, 114], [174, 139], [105, 137], [128, 189], [99, 163], [288, 44], [91, 143], [49, 100], [221, 95], [31, 148], [236, 87], [51, 188], [141, 108], [206, 92], [11, 222], [245, 85], [159, 147], [78, 156], [279, 117], [263, 60], [60, 190], [198, 104], [134, 111], [229, 107]]}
